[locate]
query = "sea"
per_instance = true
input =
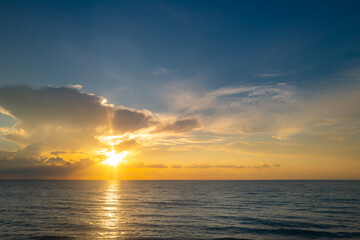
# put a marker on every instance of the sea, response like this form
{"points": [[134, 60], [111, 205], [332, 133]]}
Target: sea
{"points": [[67, 209]]}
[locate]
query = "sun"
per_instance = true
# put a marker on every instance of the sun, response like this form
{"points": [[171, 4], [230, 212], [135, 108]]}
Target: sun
{"points": [[115, 158]]}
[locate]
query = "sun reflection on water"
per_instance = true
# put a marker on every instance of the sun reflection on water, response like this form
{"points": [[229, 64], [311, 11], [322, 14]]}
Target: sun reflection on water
{"points": [[110, 211]]}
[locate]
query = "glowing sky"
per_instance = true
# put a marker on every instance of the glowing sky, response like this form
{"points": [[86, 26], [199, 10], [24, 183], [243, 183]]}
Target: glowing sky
{"points": [[180, 90]]}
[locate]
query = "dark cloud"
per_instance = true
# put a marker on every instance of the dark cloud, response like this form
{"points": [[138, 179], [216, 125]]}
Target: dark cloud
{"points": [[179, 126], [33, 150], [57, 160], [14, 165], [9, 159], [60, 106], [54, 105], [37, 172], [128, 120], [62, 119], [263, 166]]}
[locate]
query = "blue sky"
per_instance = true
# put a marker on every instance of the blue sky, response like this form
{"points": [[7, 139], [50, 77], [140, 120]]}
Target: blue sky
{"points": [[244, 77], [118, 49]]}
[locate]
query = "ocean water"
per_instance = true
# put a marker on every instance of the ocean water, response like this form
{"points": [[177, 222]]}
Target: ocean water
{"points": [[179, 210]]}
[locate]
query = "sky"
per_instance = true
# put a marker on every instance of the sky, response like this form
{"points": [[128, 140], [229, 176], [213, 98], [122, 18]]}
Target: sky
{"points": [[179, 89]]}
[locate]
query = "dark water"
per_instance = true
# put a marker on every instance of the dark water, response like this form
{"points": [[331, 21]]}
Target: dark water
{"points": [[180, 210]]}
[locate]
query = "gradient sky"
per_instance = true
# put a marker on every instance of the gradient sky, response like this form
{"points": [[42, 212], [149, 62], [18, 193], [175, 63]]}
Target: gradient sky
{"points": [[190, 89]]}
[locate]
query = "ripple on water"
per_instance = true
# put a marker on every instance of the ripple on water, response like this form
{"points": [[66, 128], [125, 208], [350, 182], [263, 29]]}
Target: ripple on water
{"points": [[179, 209]]}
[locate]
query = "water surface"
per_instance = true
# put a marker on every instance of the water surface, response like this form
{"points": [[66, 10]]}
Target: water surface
{"points": [[179, 210]]}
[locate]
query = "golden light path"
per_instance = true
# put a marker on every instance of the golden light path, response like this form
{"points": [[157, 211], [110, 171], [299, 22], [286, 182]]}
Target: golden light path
{"points": [[110, 212], [115, 158]]}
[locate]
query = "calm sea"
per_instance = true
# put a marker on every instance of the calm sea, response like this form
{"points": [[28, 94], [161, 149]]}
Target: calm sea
{"points": [[179, 210]]}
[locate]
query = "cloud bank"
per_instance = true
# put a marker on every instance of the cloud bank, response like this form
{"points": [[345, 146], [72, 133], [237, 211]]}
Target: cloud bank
{"points": [[58, 127], [278, 109], [66, 118]]}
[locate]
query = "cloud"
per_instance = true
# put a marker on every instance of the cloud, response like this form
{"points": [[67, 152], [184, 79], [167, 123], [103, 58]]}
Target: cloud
{"points": [[179, 126], [267, 75], [52, 116], [56, 160], [158, 165], [53, 124], [67, 119], [142, 165], [269, 148], [176, 166], [56, 153], [56, 125], [129, 120], [4, 129], [281, 110], [126, 145], [160, 71], [226, 166], [38, 172], [19, 166], [331, 121], [263, 166], [198, 166], [76, 86], [63, 106], [272, 74], [286, 133], [213, 166], [235, 110]]}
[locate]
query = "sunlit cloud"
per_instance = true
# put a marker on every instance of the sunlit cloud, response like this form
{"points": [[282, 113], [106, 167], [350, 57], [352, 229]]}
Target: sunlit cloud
{"points": [[73, 130], [69, 118], [279, 109], [60, 120]]}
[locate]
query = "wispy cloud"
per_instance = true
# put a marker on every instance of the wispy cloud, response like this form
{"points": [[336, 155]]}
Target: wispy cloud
{"points": [[160, 71], [279, 109], [272, 74], [183, 125], [267, 75], [196, 166]]}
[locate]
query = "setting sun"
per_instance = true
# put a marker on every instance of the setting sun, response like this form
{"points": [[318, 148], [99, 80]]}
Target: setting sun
{"points": [[115, 158]]}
